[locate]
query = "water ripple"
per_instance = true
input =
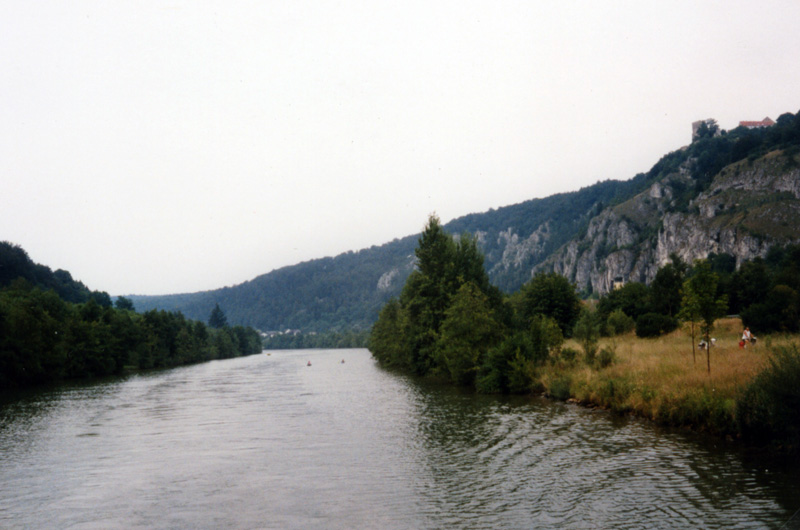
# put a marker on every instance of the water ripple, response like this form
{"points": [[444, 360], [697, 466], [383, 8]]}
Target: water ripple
{"points": [[268, 442]]}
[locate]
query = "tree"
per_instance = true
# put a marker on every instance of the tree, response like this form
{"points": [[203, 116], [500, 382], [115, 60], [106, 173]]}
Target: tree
{"points": [[468, 331], [102, 298], [497, 375], [587, 333], [554, 296], [633, 299], [690, 312], [700, 292], [443, 267], [707, 129], [618, 323], [217, 319], [124, 303], [780, 312], [750, 284], [546, 338], [654, 325], [387, 340], [665, 289], [426, 294]]}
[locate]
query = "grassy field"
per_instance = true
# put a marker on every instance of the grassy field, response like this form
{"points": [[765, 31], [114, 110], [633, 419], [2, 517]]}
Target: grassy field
{"points": [[659, 378]]}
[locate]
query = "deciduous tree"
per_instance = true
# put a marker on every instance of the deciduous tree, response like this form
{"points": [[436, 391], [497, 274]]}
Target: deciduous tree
{"points": [[700, 294], [552, 295]]}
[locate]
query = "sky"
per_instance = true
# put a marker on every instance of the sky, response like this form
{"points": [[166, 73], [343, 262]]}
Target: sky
{"points": [[179, 146]]}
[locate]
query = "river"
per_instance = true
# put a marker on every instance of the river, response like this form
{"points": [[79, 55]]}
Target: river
{"points": [[267, 441]]}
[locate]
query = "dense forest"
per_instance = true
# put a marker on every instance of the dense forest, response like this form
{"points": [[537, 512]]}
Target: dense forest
{"points": [[52, 328]]}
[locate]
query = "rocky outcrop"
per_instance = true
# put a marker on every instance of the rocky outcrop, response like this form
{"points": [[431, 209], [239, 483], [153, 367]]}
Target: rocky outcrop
{"points": [[387, 279], [749, 207], [517, 250]]}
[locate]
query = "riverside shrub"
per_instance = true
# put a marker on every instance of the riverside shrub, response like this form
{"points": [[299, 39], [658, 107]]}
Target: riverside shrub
{"points": [[618, 323], [568, 354], [606, 357], [769, 408], [560, 388]]}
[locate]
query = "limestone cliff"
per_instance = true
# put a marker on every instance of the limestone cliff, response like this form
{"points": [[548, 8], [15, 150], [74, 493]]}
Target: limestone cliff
{"points": [[749, 206]]}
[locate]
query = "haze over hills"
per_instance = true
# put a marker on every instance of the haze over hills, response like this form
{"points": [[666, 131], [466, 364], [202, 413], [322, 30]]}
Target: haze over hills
{"points": [[736, 193]]}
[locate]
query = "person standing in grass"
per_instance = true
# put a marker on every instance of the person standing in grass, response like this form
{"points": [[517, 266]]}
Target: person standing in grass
{"points": [[746, 337]]}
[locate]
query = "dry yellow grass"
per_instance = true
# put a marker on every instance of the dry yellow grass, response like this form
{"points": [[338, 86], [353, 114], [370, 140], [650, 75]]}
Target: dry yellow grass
{"points": [[659, 379]]}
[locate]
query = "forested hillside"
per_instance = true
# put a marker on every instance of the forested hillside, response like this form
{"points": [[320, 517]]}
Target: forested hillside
{"points": [[339, 293], [591, 235], [347, 291]]}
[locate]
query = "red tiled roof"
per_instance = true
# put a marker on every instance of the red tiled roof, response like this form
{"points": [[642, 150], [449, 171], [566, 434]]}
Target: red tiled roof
{"points": [[766, 122]]}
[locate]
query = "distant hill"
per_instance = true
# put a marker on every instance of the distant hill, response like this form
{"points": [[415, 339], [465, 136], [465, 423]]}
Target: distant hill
{"points": [[735, 192]]}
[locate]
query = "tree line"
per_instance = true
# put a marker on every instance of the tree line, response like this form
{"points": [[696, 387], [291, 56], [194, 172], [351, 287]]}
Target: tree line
{"points": [[44, 338], [764, 292], [450, 322]]}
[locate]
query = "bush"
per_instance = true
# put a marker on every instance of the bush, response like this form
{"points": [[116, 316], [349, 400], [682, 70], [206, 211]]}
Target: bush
{"points": [[587, 332], [560, 388], [606, 357], [545, 338], [654, 325], [590, 352], [521, 375], [618, 323], [769, 408], [500, 372], [569, 354]]}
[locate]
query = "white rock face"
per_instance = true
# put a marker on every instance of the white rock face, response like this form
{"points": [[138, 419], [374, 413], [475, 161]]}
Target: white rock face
{"points": [[385, 281], [748, 208], [516, 250]]}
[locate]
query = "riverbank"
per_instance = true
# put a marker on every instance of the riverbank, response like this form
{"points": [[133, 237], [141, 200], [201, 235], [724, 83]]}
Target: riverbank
{"points": [[660, 380]]}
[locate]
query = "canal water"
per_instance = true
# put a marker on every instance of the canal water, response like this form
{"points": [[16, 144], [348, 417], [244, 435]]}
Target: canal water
{"points": [[268, 441]]}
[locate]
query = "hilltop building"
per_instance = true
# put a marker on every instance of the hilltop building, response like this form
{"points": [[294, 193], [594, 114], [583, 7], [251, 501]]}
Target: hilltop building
{"points": [[766, 122], [711, 123]]}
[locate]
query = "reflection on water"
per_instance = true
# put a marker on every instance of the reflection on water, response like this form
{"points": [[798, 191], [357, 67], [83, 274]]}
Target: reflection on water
{"points": [[269, 442]]}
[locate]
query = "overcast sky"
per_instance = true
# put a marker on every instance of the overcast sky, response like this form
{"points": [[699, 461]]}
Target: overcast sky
{"points": [[162, 147]]}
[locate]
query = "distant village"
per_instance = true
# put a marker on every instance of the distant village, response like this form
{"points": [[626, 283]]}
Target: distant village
{"points": [[270, 334]]}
